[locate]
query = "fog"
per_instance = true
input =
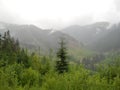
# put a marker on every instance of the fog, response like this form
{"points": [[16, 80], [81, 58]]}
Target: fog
{"points": [[57, 14]]}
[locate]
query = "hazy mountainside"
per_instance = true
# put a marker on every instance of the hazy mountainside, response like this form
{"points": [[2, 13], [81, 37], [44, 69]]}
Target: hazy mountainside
{"points": [[99, 36], [31, 36], [89, 33], [111, 41]]}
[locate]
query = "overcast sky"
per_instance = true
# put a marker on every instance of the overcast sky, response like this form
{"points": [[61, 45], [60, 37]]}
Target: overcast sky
{"points": [[59, 13]]}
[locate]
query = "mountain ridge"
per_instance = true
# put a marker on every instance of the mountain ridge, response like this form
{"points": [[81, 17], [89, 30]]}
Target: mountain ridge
{"points": [[30, 36]]}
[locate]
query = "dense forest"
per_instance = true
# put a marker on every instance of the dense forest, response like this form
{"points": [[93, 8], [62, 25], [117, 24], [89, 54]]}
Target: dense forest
{"points": [[23, 70]]}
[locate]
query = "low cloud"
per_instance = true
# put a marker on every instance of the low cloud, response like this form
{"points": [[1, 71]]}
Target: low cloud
{"points": [[117, 5], [112, 15]]}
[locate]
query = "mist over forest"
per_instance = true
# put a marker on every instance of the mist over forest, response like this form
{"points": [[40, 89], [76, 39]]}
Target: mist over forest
{"points": [[60, 45]]}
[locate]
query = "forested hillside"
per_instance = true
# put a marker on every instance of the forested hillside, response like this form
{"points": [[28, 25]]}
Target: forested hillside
{"points": [[21, 70], [59, 44]]}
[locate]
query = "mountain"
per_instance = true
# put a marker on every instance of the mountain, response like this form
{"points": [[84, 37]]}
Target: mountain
{"points": [[89, 33], [100, 36], [33, 37], [110, 41]]}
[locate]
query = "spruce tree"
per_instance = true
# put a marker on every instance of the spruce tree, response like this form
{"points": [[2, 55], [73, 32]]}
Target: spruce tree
{"points": [[61, 63]]}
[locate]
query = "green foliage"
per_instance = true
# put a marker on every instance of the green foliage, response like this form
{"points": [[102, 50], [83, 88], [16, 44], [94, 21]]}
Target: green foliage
{"points": [[62, 64], [20, 70], [23, 58], [30, 77]]}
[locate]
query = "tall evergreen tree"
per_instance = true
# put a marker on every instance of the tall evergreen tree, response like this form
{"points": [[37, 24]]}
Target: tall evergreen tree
{"points": [[9, 44], [61, 63], [8, 47]]}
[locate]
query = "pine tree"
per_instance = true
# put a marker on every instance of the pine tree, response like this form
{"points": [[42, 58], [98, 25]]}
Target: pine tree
{"points": [[61, 63], [9, 43], [8, 47]]}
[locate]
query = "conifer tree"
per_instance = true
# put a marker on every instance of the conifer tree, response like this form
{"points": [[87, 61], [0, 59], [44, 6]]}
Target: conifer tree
{"points": [[61, 63]]}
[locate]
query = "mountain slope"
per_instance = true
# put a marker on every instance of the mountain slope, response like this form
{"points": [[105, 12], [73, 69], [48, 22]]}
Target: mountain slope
{"points": [[33, 37], [111, 41], [98, 36], [89, 33]]}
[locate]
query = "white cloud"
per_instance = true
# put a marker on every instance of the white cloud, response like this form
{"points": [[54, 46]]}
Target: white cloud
{"points": [[59, 13], [117, 4]]}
